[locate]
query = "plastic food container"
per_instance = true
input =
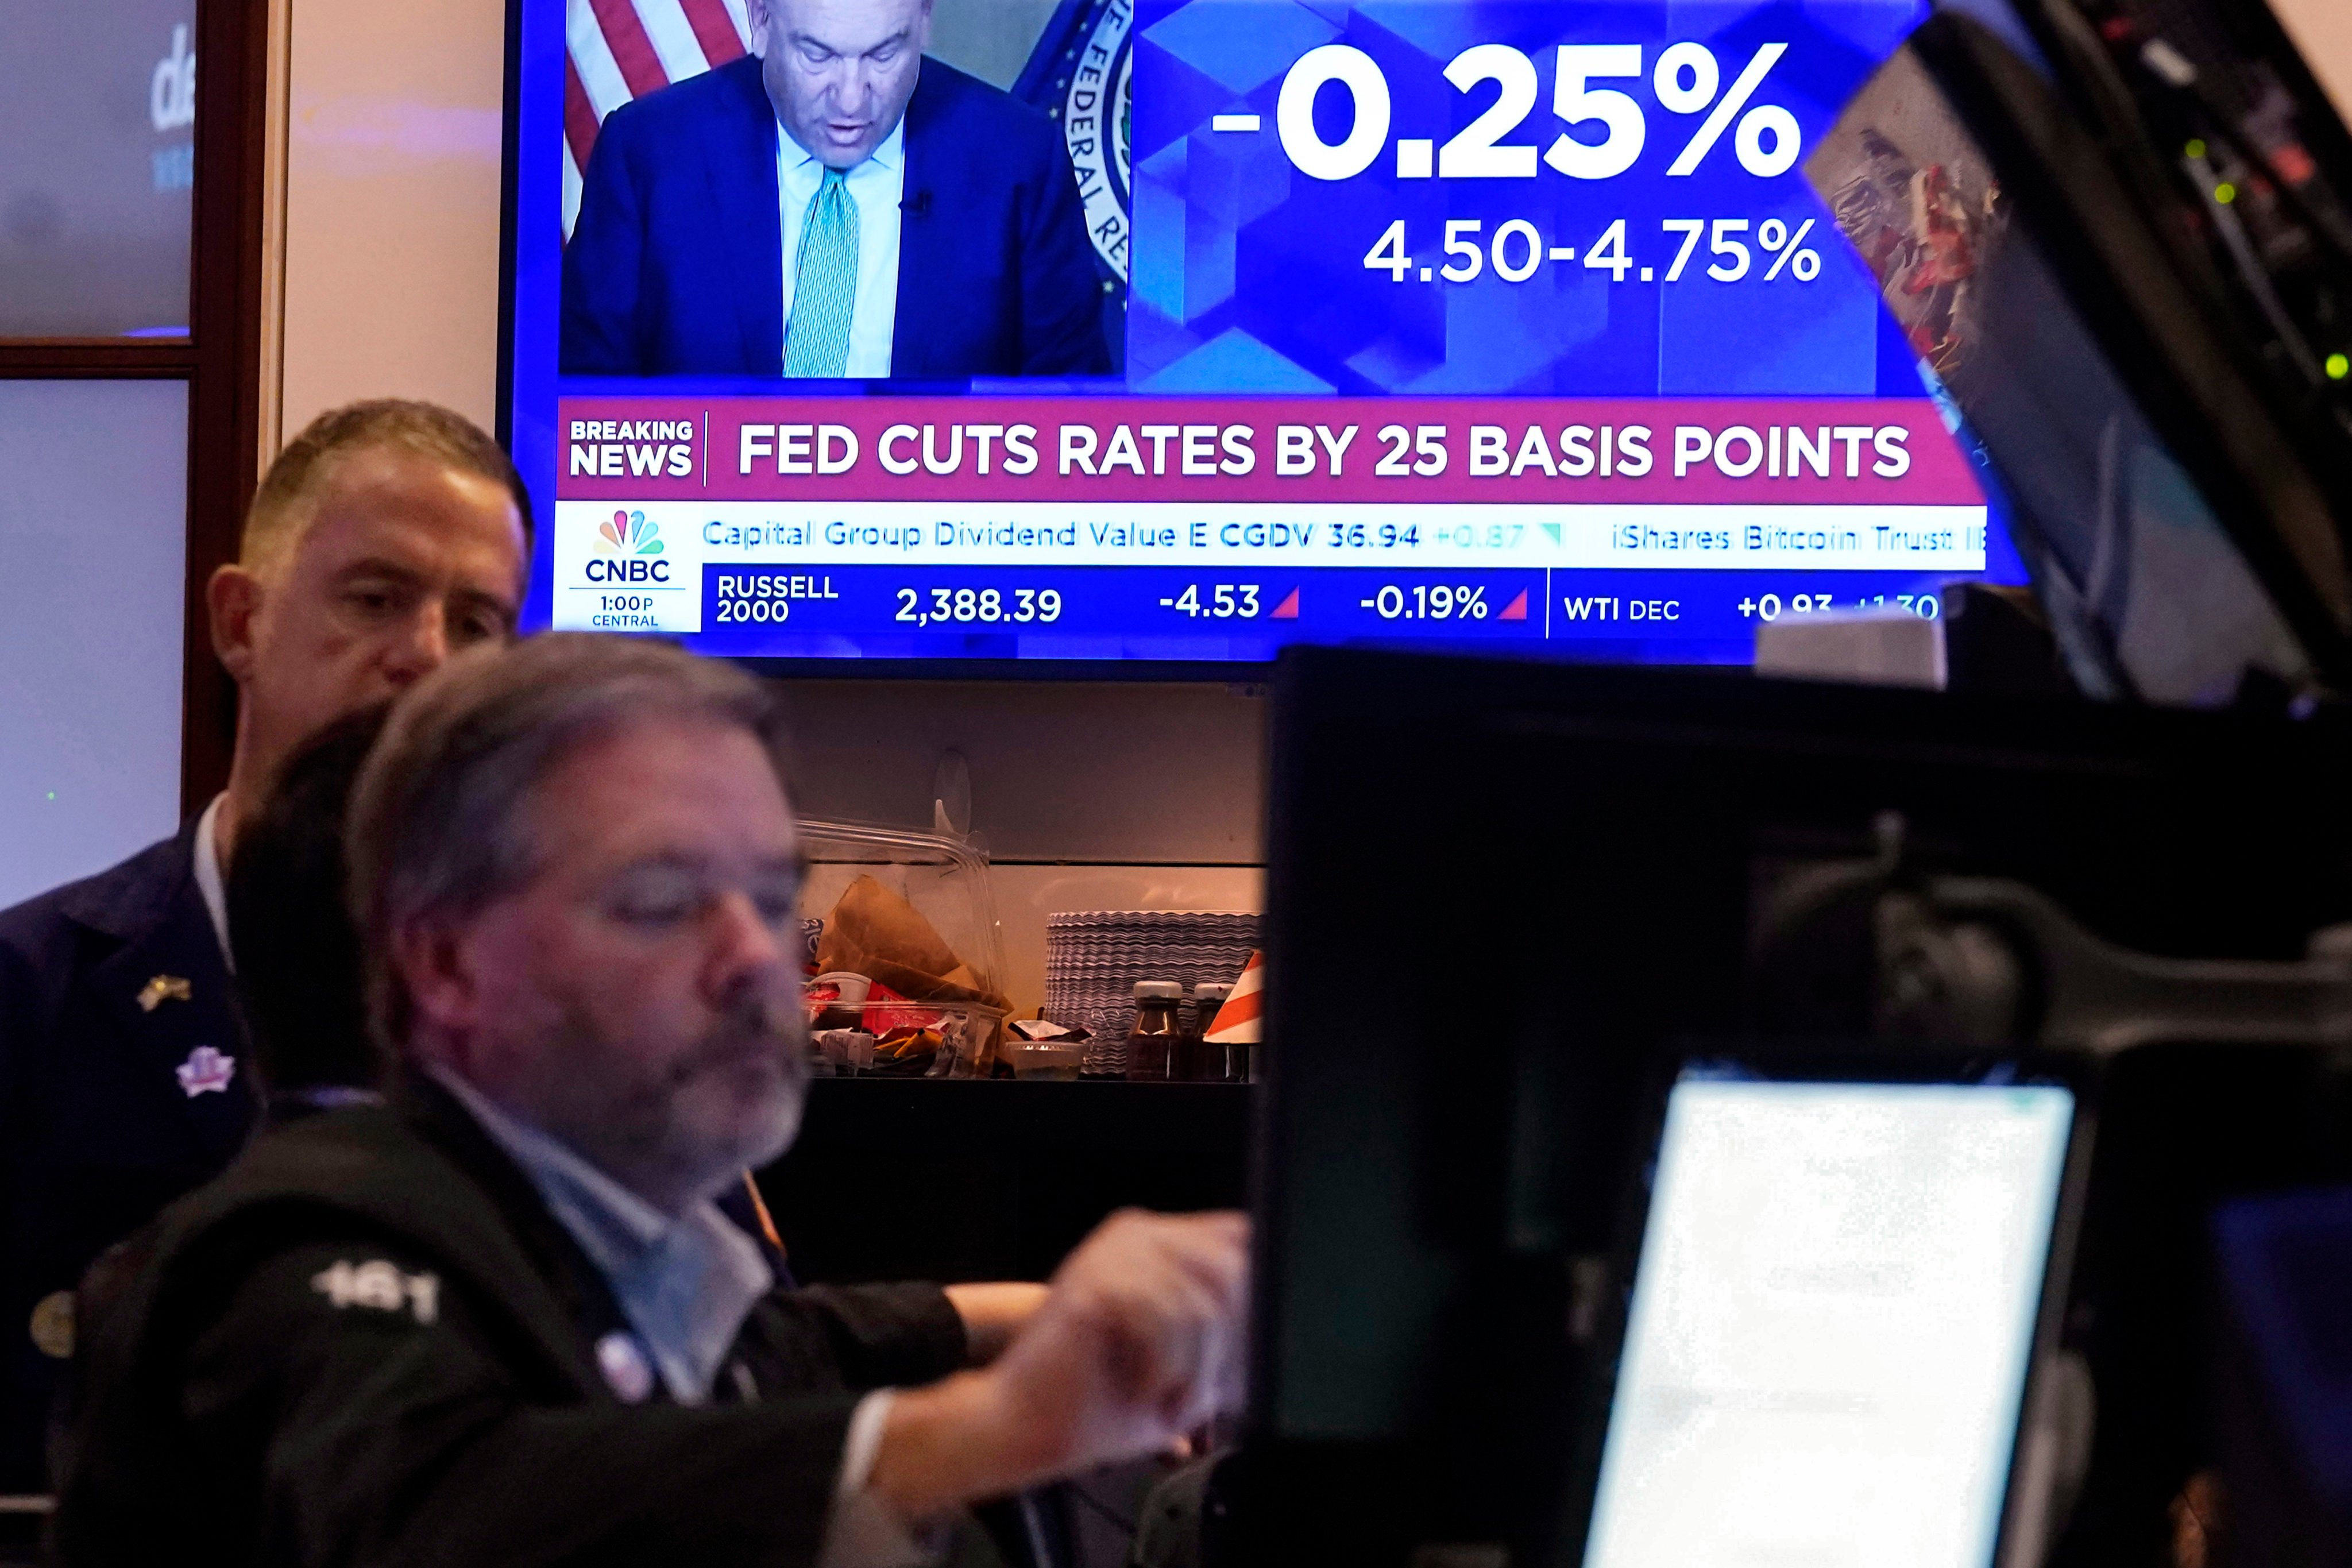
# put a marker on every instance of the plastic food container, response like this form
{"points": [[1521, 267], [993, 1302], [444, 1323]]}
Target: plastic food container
{"points": [[844, 1052], [946, 880], [927, 1039], [1050, 1059]]}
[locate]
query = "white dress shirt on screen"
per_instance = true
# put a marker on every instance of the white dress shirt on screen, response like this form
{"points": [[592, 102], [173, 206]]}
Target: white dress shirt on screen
{"points": [[875, 185]]}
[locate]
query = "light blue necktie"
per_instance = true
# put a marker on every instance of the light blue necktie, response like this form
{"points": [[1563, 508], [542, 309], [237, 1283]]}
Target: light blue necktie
{"points": [[824, 285]]}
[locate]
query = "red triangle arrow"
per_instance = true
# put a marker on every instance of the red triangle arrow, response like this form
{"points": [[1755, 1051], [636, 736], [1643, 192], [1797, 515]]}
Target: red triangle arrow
{"points": [[1517, 610], [1288, 609]]}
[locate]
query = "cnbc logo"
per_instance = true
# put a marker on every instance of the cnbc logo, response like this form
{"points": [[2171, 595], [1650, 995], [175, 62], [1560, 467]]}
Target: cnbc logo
{"points": [[628, 546], [630, 533]]}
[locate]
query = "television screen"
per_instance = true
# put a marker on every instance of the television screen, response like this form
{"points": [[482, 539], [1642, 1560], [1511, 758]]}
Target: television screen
{"points": [[97, 119], [1180, 329]]}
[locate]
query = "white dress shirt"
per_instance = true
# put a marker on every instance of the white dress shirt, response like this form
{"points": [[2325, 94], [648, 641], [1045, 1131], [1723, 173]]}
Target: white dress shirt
{"points": [[685, 1284], [210, 885], [875, 185]]}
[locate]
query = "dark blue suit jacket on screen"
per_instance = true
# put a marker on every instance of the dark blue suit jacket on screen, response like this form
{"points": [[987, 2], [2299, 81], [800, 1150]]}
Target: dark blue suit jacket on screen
{"points": [[675, 264]]}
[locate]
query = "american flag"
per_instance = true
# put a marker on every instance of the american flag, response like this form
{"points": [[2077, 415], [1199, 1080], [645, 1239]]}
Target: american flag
{"points": [[619, 50]]}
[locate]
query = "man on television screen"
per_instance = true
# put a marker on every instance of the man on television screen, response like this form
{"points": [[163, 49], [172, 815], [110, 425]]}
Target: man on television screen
{"points": [[831, 205]]}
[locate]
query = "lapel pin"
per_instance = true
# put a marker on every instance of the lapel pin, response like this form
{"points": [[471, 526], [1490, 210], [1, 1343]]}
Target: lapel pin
{"points": [[53, 1325], [206, 1071], [162, 988], [623, 1362]]}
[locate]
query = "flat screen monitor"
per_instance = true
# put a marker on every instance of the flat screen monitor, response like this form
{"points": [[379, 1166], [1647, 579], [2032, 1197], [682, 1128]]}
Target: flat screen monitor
{"points": [[1493, 936], [1178, 331], [1832, 1320]]}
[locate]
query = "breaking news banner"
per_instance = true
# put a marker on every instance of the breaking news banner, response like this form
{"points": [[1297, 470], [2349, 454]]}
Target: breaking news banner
{"points": [[1431, 321]]}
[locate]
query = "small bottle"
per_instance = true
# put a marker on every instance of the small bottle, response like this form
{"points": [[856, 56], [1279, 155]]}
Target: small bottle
{"points": [[1211, 1063], [1151, 1044], [1189, 1058]]}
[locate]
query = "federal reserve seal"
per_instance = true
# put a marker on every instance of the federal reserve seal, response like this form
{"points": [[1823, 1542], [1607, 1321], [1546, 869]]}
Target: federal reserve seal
{"points": [[1096, 113]]}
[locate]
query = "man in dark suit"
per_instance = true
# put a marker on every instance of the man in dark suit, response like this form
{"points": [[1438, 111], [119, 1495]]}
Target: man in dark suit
{"points": [[499, 1320], [833, 205], [385, 535]]}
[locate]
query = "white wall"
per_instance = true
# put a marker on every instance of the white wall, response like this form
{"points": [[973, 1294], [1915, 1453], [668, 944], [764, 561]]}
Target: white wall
{"points": [[392, 123]]}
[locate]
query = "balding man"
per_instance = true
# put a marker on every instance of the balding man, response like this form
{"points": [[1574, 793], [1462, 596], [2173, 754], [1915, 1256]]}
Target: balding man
{"points": [[386, 536], [499, 1321], [833, 205]]}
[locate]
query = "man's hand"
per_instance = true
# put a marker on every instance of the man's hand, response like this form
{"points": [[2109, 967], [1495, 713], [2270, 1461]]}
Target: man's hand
{"points": [[1139, 1341], [1139, 1338]]}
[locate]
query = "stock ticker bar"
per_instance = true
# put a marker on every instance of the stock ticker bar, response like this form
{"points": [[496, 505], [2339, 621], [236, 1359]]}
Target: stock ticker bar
{"points": [[1042, 527], [1039, 608]]}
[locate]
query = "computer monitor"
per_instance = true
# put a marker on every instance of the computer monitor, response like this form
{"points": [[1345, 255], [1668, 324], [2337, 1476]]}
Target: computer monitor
{"points": [[1503, 898], [1841, 1287]]}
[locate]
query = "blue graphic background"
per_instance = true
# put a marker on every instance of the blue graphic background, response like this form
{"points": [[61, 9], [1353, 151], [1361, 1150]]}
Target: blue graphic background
{"points": [[1248, 276]]}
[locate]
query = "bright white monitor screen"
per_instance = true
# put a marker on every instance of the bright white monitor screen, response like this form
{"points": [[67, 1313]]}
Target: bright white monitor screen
{"points": [[1831, 1325]]}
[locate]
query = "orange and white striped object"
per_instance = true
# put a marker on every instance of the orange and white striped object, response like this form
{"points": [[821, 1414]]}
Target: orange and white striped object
{"points": [[1236, 1023], [616, 50]]}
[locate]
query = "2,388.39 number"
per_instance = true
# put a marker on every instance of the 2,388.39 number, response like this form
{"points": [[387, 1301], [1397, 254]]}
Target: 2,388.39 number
{"points": [[984, 606]]}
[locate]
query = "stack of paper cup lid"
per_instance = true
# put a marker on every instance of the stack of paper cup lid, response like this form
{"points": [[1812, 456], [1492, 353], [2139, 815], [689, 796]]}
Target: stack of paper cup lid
{"points": [[1094, 957]]}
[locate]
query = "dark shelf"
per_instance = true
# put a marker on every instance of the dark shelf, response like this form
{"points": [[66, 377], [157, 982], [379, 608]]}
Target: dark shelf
{"points": [[957, 1180]]}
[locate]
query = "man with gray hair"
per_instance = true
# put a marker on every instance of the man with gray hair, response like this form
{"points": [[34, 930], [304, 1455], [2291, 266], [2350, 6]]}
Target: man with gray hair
{"points": [[499, 1321], [387, 535]]}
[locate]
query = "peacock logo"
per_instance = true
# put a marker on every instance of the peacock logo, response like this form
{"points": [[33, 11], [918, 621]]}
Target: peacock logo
{"points": [[629, 534]]}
